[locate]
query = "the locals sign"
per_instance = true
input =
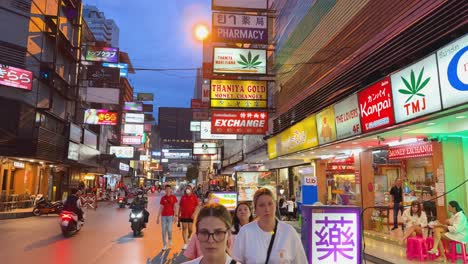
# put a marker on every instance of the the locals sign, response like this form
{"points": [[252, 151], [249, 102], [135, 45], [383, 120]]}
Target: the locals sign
{"points": [[453, 72], [347, 117], [239, 61], [375, 106], [238, 94], [229, 27], [416, 90], [239, 122]]}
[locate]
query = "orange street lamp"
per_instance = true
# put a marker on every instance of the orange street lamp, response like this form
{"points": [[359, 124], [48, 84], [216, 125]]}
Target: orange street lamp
{"points": [[201, 32]]}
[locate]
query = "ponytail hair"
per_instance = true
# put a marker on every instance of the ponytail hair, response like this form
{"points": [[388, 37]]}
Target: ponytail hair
{"points": [[456, 205]]}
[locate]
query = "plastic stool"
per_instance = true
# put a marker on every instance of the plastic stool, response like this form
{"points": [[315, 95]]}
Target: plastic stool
{"points": [[430, 245], [453, 255], [416, 248]]}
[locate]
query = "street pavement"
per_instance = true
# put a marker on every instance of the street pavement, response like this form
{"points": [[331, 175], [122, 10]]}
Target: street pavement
{"points": [[105, 238]]}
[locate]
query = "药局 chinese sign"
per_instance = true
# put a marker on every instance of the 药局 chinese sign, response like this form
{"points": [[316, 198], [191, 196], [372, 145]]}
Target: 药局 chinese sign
{"points": [[335, 235], [238, 94], [239, 61], [15, 77], [105, 54], [228, 27]]}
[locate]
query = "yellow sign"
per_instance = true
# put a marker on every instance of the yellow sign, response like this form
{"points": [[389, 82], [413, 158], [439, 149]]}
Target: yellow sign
{"points": [[238, 94], [326, 125], [238, 103], [302, 135]]}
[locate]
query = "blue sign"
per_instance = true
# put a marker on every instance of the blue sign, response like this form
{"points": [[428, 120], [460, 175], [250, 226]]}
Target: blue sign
{"points": [[122, 66]]}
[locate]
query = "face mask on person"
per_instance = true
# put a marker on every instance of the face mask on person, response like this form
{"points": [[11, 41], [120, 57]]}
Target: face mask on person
{"points": [[140, 196], [188, 191]]}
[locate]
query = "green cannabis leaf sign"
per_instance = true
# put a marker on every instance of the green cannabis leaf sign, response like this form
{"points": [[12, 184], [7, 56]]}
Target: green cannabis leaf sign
{"points": [[249, 62], [413, 87]]}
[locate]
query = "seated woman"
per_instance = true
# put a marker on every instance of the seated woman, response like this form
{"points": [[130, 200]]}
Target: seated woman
{"points": [[414, 219], [454, 230]]}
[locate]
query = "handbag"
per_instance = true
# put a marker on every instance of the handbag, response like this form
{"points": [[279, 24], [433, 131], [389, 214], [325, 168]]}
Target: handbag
{"points": [[270, 247]]}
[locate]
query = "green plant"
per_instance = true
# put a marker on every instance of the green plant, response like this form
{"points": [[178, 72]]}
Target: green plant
{"points": [[414, 86], [249, 62]]}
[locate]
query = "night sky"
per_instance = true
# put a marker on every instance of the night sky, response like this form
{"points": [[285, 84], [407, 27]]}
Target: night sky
{"points": [[158, 34]]}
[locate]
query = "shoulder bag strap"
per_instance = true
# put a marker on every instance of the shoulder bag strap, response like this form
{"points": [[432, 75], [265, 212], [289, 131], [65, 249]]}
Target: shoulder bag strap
{"points": [[233, 261], [270, 247]]}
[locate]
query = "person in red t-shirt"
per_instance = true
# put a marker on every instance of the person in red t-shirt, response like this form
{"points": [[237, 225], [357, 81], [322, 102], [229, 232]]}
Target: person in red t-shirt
{"points": [[188, 205], [169, 216]]}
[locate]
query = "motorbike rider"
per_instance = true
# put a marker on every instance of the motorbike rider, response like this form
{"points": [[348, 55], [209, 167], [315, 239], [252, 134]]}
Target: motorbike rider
{"points": [[140, 203], [73, 204]]}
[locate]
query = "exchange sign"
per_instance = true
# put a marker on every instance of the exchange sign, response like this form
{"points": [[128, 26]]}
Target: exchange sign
{"points": [[240, 61], [242, 122], [106, 54], [100, 117], [15, 77], [238, 94], [229, 27]]}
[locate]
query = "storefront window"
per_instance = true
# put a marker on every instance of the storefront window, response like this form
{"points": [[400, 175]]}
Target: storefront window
{"points": [[298, 173], [283, 182], [341, 182]]}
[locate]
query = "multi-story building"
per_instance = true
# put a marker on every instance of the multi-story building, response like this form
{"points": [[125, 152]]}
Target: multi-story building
{"points": [[103, 29], [39, 57]]}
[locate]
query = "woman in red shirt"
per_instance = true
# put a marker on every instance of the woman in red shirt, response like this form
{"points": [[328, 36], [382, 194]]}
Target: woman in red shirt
{"points": [[188, 205]]}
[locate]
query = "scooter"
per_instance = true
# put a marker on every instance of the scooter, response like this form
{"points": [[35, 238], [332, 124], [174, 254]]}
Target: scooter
{"points": [[137, 221], [122, 201], [43, 206], [69, 223]]}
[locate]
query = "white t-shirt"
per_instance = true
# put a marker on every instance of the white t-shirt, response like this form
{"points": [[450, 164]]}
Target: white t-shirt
{"points": [[252, 243], [197, 260]]}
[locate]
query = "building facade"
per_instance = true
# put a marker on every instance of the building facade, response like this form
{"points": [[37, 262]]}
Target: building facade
{"points": [[105, 30]]}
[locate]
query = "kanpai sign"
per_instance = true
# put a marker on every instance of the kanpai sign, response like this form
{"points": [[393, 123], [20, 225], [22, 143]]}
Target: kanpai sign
{"points": [[375, 106], [417, 150], [242, 122]]}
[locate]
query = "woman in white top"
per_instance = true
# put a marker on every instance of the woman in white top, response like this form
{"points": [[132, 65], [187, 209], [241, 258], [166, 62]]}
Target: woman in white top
{"points": [[253, 241], [455, 229], [414, 219], [213, 229], [242, 216]]}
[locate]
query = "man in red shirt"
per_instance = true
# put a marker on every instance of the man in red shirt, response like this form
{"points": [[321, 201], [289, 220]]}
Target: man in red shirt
{"points": [[169, 216], [188, 205]]}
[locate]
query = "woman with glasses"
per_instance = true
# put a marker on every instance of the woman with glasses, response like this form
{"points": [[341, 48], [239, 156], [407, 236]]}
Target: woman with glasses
{"points": [[414, 220], [213, 230], [268, 240]]}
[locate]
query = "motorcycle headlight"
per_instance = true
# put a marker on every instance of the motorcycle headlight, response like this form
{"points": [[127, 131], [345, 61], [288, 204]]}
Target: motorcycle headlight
{"points": [[132, 215], [140, 215]]}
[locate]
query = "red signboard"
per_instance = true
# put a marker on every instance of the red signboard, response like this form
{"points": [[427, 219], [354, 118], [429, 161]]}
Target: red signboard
{"points": [[200, 115], [198, 104], [147, 127], [375, 105], [131, 140], [15, 77], [417, 150], [239, 122]]}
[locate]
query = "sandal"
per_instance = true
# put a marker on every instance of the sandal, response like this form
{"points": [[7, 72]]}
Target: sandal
{"points": [[433, 251]]}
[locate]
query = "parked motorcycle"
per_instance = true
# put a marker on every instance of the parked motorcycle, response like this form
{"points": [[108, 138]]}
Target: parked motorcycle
{"points": [[137, 221], [69, 223], [43, 206], [122, 201]]}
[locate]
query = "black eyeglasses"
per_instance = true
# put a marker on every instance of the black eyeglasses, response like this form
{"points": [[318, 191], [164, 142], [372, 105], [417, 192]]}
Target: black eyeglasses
{"points": [[218, 235]]}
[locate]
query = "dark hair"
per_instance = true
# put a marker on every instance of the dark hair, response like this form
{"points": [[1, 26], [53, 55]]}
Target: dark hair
{"points": [[236, 221], [455, 205], [167, 186], [73, 190], [215, 210], [260, 192], [413, 203]]}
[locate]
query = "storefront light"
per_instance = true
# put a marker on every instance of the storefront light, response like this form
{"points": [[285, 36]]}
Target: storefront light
{"points": [[402, 142], [430, 124], [31, 160], [460, 117]]}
